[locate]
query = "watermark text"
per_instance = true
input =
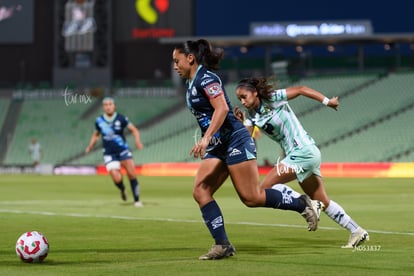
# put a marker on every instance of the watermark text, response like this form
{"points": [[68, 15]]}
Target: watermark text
{"points": [[198, 140], [76, 97], [367, 248], [283, 169]]}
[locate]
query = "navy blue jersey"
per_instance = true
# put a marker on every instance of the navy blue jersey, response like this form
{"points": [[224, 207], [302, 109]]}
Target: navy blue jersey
{"points": [[112, 132], [207, 85]]}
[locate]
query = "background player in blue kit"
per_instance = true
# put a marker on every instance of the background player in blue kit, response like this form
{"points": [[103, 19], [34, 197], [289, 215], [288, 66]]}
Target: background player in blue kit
{"points": [[110, 126], [226, 148]]}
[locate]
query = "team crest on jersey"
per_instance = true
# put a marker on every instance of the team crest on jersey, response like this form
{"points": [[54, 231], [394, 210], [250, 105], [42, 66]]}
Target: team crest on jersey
{"points": [[213, 89], [117, 124], [194, 91]]}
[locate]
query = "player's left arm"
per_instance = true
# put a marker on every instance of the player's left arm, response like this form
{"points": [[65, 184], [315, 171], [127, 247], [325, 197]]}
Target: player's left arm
{"points": [[135, 132], [219, 115], [294, 91]]}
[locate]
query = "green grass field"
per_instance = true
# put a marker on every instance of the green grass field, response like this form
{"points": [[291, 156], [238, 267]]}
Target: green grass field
{"points": [[92, 232]]}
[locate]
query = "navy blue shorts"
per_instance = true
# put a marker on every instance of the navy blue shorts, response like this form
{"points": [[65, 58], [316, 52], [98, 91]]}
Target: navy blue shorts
{"points": [[239, 148], [126, 154]]}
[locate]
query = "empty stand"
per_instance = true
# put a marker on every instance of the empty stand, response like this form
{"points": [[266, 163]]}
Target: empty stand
{"points": [[373, 124]]}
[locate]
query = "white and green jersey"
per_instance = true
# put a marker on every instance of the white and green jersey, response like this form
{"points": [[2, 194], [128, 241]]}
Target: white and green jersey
{"points": [[279, 122]]}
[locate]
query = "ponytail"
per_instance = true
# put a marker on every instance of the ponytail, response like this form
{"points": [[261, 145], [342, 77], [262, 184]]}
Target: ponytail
{"points": [[203, 53]]}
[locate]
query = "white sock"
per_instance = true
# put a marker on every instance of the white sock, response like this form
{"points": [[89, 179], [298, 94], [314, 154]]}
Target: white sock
{"points": [[287, 192], [337, 213]]}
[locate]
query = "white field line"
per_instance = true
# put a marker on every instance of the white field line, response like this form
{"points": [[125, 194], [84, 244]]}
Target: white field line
{"points": [[187, 221]]}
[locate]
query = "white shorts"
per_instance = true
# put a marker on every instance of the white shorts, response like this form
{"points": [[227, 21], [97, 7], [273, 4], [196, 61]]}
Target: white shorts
{"points": [[113, 165]]}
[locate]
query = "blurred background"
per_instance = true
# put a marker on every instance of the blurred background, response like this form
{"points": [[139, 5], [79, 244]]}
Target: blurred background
{"points": [[60, 57]]}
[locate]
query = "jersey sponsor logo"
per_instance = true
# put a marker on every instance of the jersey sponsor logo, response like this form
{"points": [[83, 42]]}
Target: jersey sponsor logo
{"points": [[205, 82], [200, 115], [205, 76], [235, 152], [109, 137], [213, 89]]}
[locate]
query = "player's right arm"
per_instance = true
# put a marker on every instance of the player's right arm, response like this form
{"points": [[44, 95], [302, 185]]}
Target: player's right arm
{"points": [[246, 122], [294, 91], [92, 142]]}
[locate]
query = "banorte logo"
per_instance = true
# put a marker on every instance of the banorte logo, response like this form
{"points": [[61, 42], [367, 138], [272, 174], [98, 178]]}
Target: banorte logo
{"points": [[148, 13]]}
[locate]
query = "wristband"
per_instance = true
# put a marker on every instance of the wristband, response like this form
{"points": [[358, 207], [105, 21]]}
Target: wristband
{"points": [[325, 101], [248, 122]]}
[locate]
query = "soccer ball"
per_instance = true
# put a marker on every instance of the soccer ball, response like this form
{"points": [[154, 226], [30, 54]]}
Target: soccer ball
{"points": [[32, 247]]}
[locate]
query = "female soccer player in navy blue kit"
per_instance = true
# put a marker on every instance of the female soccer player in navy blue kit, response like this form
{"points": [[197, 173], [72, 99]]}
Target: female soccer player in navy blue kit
{"points": [[110, 126], [225, 148]]}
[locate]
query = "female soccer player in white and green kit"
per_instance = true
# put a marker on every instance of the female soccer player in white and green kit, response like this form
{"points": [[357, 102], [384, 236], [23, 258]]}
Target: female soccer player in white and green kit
{"points": [[269, 110]]}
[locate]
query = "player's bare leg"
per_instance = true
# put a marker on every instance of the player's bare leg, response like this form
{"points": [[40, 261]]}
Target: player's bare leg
{"points": [[129, 167]]}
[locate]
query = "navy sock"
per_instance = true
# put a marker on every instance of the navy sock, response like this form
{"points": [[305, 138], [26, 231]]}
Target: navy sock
{"points": [[214, 221], [120, 185], [135, 188], [275, 199]]}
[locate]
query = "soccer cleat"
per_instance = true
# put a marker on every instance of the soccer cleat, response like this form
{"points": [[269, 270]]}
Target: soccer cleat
{"points": [[219, 251], [123, 195], [138, 204], [357, 238], [310, 213]]}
